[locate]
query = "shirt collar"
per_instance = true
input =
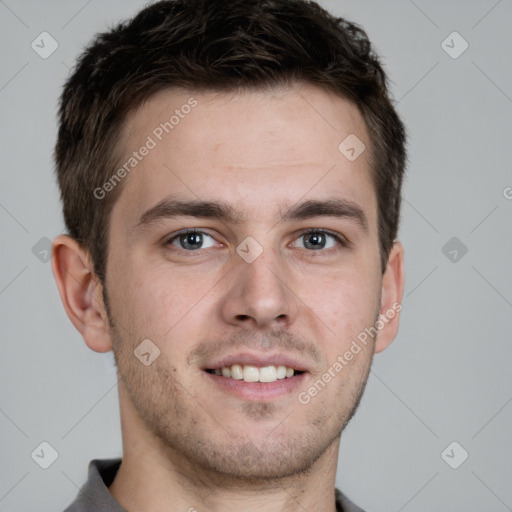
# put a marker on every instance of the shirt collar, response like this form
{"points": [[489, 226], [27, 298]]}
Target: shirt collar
{"points": [[94, 495]]}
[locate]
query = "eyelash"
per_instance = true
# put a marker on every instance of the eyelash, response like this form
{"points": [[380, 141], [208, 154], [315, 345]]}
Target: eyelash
{"points": [[341, 240], [186, 232]]}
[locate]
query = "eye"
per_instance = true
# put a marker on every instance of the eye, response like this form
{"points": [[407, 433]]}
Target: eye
{"points": [[192, 240], [318, 239]]}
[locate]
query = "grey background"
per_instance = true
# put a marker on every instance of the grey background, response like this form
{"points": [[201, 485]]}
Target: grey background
{"points": [[447, 377]]}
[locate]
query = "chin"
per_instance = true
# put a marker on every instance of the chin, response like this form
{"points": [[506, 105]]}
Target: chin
{"points": [[257, 462]]}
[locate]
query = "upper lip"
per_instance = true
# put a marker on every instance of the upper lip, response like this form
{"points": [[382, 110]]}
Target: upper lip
{"points": [[259, 360]]}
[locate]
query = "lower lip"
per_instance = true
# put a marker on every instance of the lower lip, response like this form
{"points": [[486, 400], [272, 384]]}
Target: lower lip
{"points": [[258, 391]]}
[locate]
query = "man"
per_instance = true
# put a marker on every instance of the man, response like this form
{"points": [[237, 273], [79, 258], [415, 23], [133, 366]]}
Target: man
{"points": [[230, 175]]}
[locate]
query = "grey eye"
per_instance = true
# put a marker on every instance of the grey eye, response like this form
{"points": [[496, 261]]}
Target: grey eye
{"points": [[192, 241], [317, 240]]}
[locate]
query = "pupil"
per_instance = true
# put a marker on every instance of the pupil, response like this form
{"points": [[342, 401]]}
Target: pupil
{"points": [[192, 240], [315, 240]]}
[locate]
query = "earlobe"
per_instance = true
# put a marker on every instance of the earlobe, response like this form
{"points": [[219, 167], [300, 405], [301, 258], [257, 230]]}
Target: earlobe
{"points": [[81, 292], [391, 298]]}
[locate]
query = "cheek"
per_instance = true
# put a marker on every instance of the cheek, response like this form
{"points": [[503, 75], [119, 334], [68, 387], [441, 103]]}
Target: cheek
{"points": [[347, 304], [161, 301]]}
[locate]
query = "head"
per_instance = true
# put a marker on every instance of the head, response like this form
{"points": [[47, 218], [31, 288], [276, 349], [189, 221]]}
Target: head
{"points": [[265, 129]]}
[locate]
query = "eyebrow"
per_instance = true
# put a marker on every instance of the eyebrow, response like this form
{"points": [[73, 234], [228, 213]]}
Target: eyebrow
{"points": [[170, 208], [329, 208], [219, 210]]}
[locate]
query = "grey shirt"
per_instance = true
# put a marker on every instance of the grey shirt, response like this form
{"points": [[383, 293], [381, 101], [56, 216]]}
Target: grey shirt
{"points": [[94, 495]]}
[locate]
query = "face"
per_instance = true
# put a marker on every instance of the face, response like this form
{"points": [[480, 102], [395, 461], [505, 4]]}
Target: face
{"points": [[242, 242]]}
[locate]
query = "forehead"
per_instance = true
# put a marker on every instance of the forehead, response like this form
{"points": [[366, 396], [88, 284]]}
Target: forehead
{"points": [[254, 149]]}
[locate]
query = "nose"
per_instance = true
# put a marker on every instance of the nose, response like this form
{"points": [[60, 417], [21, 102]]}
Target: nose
{"points": [[259, 294]]}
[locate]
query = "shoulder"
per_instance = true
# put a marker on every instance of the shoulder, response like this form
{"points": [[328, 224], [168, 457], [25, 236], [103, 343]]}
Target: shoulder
{"points": [[94, 495], [343, 504]]}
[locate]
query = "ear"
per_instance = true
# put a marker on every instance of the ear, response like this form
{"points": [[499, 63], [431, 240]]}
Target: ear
{"points": [[391, 298], [81, 292]]}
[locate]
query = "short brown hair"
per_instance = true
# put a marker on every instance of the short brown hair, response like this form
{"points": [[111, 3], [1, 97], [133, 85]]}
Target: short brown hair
{"points": [[215, 45]]}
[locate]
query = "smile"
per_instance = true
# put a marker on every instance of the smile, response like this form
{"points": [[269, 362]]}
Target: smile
{"points": [[250, 373]]}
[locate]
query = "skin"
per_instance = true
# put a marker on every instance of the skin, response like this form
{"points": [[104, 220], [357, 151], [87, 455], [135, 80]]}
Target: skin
{"points": [[187, 441]]}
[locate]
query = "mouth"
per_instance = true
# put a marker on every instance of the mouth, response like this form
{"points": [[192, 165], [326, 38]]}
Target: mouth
{"points": [[257, 376], [251, 373]]}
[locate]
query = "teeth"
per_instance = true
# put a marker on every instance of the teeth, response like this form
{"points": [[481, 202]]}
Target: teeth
{"points": [[250, 373], [237, 372], [281, 372], [268, 374]]}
